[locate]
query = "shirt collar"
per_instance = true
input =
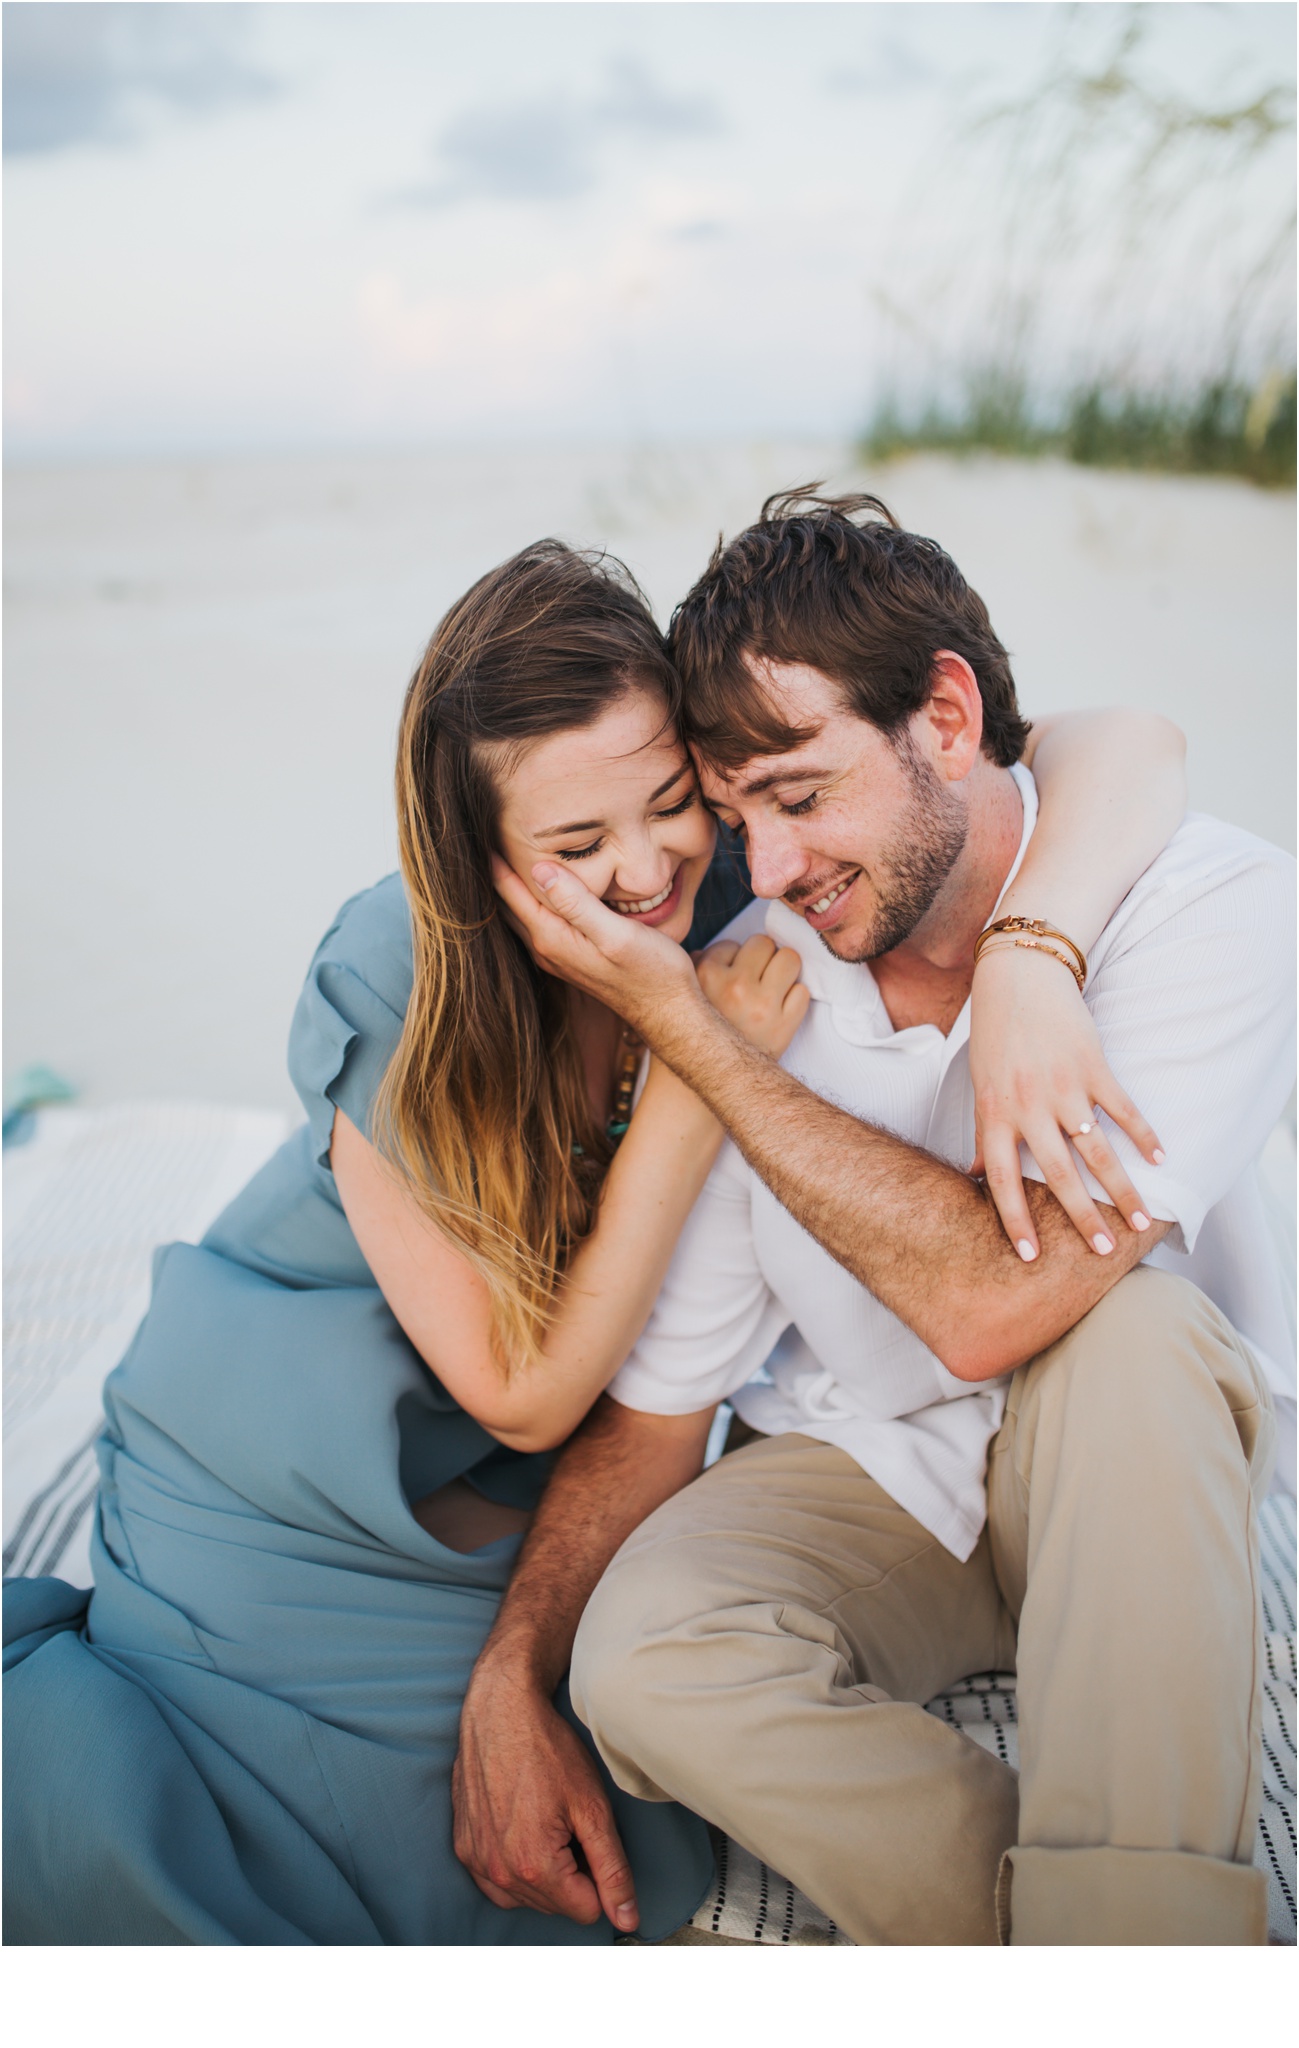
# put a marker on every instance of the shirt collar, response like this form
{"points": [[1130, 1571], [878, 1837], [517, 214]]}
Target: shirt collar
{"points": [[849, 986]]}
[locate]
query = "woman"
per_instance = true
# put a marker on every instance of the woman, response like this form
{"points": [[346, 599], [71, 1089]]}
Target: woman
{"points": [[328, 1433]]}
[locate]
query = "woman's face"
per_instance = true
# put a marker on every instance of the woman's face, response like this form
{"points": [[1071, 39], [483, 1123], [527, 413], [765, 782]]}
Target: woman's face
{"points": [[618, 802]]}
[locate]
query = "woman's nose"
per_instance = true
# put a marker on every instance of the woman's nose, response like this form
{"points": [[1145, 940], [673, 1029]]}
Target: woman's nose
{"points": [[645, 875]]}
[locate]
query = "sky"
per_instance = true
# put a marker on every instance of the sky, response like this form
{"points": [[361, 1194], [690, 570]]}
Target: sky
{"points": [[280, 226]]}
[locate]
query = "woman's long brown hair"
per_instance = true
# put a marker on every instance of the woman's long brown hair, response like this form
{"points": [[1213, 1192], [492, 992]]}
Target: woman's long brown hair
{"points": [[483, 1109]]}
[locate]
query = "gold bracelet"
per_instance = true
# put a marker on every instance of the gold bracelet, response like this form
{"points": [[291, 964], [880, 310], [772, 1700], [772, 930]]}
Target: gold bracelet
{"points": [[1041, 929], [1034, 946]]}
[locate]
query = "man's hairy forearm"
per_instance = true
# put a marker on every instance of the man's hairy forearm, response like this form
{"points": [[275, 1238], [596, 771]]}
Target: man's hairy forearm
{"points": [[613, 1473], [923, 1237]]}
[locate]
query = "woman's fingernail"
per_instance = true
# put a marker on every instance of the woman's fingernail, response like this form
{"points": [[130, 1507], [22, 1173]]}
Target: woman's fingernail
{"points": [[626, 1916], [1102, 1244], [1157, 1156], [1026, 1250], [545, 878], [1140, 1221]]}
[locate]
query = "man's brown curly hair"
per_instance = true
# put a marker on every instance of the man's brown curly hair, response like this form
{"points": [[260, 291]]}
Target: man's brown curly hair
{"points": [[866, 603]]}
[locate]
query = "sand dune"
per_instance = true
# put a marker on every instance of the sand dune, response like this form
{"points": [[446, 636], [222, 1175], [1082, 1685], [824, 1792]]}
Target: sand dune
{"points": [[205, 662]]}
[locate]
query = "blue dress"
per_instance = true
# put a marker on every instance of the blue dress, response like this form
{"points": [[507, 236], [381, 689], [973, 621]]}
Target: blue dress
{"points": [[245, 1734]]}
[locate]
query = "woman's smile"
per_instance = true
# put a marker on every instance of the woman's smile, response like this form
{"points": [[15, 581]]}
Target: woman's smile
{"points": [[651, 909], [633, 820]]}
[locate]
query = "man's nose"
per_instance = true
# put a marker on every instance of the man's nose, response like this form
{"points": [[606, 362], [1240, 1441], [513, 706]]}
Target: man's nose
{"points": [[775, 862]]}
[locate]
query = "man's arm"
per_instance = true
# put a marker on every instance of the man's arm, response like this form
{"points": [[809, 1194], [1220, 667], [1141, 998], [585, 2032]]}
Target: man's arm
{"points": [[923, 1237], [525, 1787]]}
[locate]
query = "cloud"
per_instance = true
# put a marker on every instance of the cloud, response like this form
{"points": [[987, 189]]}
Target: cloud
{"points": [[540, 149], [891, 68], [76, 72], [634, 100], [698, 231]]}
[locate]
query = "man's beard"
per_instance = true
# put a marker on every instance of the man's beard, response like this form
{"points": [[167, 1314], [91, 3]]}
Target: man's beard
{"points": [[909, 873]]}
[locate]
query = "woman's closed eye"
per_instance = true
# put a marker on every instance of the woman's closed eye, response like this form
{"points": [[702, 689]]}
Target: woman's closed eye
{"points": [[687, 803]]}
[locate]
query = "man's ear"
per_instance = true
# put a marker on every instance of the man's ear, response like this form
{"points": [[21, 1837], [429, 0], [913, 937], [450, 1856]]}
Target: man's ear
{"points": [[954, 716]]}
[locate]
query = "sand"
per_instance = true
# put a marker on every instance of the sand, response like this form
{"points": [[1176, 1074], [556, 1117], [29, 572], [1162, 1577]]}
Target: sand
{"points": [[205, 661]]}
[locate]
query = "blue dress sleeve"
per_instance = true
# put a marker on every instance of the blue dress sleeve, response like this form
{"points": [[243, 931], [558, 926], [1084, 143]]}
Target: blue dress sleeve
{"points": [[351, 1011]]}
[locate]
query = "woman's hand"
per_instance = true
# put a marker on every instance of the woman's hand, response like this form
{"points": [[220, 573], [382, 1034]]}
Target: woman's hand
{"points": [[1039, 1075], [757, 989]]}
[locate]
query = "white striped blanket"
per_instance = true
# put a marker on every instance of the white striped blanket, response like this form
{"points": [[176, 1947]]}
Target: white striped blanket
{"points": [[87, 1201]]}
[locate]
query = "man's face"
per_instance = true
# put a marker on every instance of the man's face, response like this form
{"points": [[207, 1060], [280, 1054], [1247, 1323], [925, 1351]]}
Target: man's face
{"points": [[856, 830]]}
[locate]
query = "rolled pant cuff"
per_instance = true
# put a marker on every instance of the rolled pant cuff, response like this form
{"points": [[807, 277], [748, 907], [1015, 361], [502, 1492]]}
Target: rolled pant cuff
{"points": [[1128, 1898]]}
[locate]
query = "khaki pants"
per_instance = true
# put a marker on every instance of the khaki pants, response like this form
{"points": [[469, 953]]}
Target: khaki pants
{"points": [[760, 1649]]}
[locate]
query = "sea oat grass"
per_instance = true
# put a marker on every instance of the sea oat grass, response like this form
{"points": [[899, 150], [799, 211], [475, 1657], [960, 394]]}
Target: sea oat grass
{"points": [[1224, 429]]}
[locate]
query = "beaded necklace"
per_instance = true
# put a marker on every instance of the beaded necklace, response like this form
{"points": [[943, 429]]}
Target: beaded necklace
{"points": [[616, 1128]]}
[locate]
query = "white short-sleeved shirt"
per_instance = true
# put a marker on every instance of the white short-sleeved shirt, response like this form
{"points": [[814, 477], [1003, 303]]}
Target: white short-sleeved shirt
{"points": [[1191, 985]]}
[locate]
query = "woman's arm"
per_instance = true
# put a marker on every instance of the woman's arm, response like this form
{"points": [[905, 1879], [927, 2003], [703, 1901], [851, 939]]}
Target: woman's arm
{"points": [[1112, 791], [658, 1171]]}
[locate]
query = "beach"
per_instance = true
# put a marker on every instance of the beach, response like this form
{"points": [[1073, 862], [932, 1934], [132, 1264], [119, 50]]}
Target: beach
{"points": [[206, 659]]}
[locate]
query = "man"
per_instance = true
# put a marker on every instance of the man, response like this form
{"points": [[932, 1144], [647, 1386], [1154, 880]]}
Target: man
{"points": [[762, 1645]]}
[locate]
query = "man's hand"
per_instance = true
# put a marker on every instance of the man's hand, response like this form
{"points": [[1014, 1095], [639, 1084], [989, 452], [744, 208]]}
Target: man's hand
{"points": [[525, 1789], [527, 1795], [756, 987], [635, 970]]}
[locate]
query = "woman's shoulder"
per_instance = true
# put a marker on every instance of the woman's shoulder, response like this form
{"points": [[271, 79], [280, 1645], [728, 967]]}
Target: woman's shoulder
{"points": [[370, 939], [723, 891], [351, 1011]]}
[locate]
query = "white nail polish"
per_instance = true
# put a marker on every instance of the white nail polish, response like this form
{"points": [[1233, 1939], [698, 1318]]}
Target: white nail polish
{"points": [[1025, 1250], [1157, 1156], [1140, 1221], [1102, 1244]]}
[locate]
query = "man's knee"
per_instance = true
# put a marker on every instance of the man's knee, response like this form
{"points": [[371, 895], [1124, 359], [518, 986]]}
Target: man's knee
{"points": [[1148, 1298], [1153, 1328], [674, 1626], [610, 1678], [1153, 1353]]}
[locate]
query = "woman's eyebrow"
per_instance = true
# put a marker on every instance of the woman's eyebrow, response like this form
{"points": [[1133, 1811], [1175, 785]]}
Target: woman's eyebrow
{"points": [[597, 824], [579, 825], [664, 787]]}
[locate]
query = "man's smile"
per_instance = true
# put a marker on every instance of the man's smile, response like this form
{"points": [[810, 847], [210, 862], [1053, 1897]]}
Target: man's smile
{"points": [[824, 909]]}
